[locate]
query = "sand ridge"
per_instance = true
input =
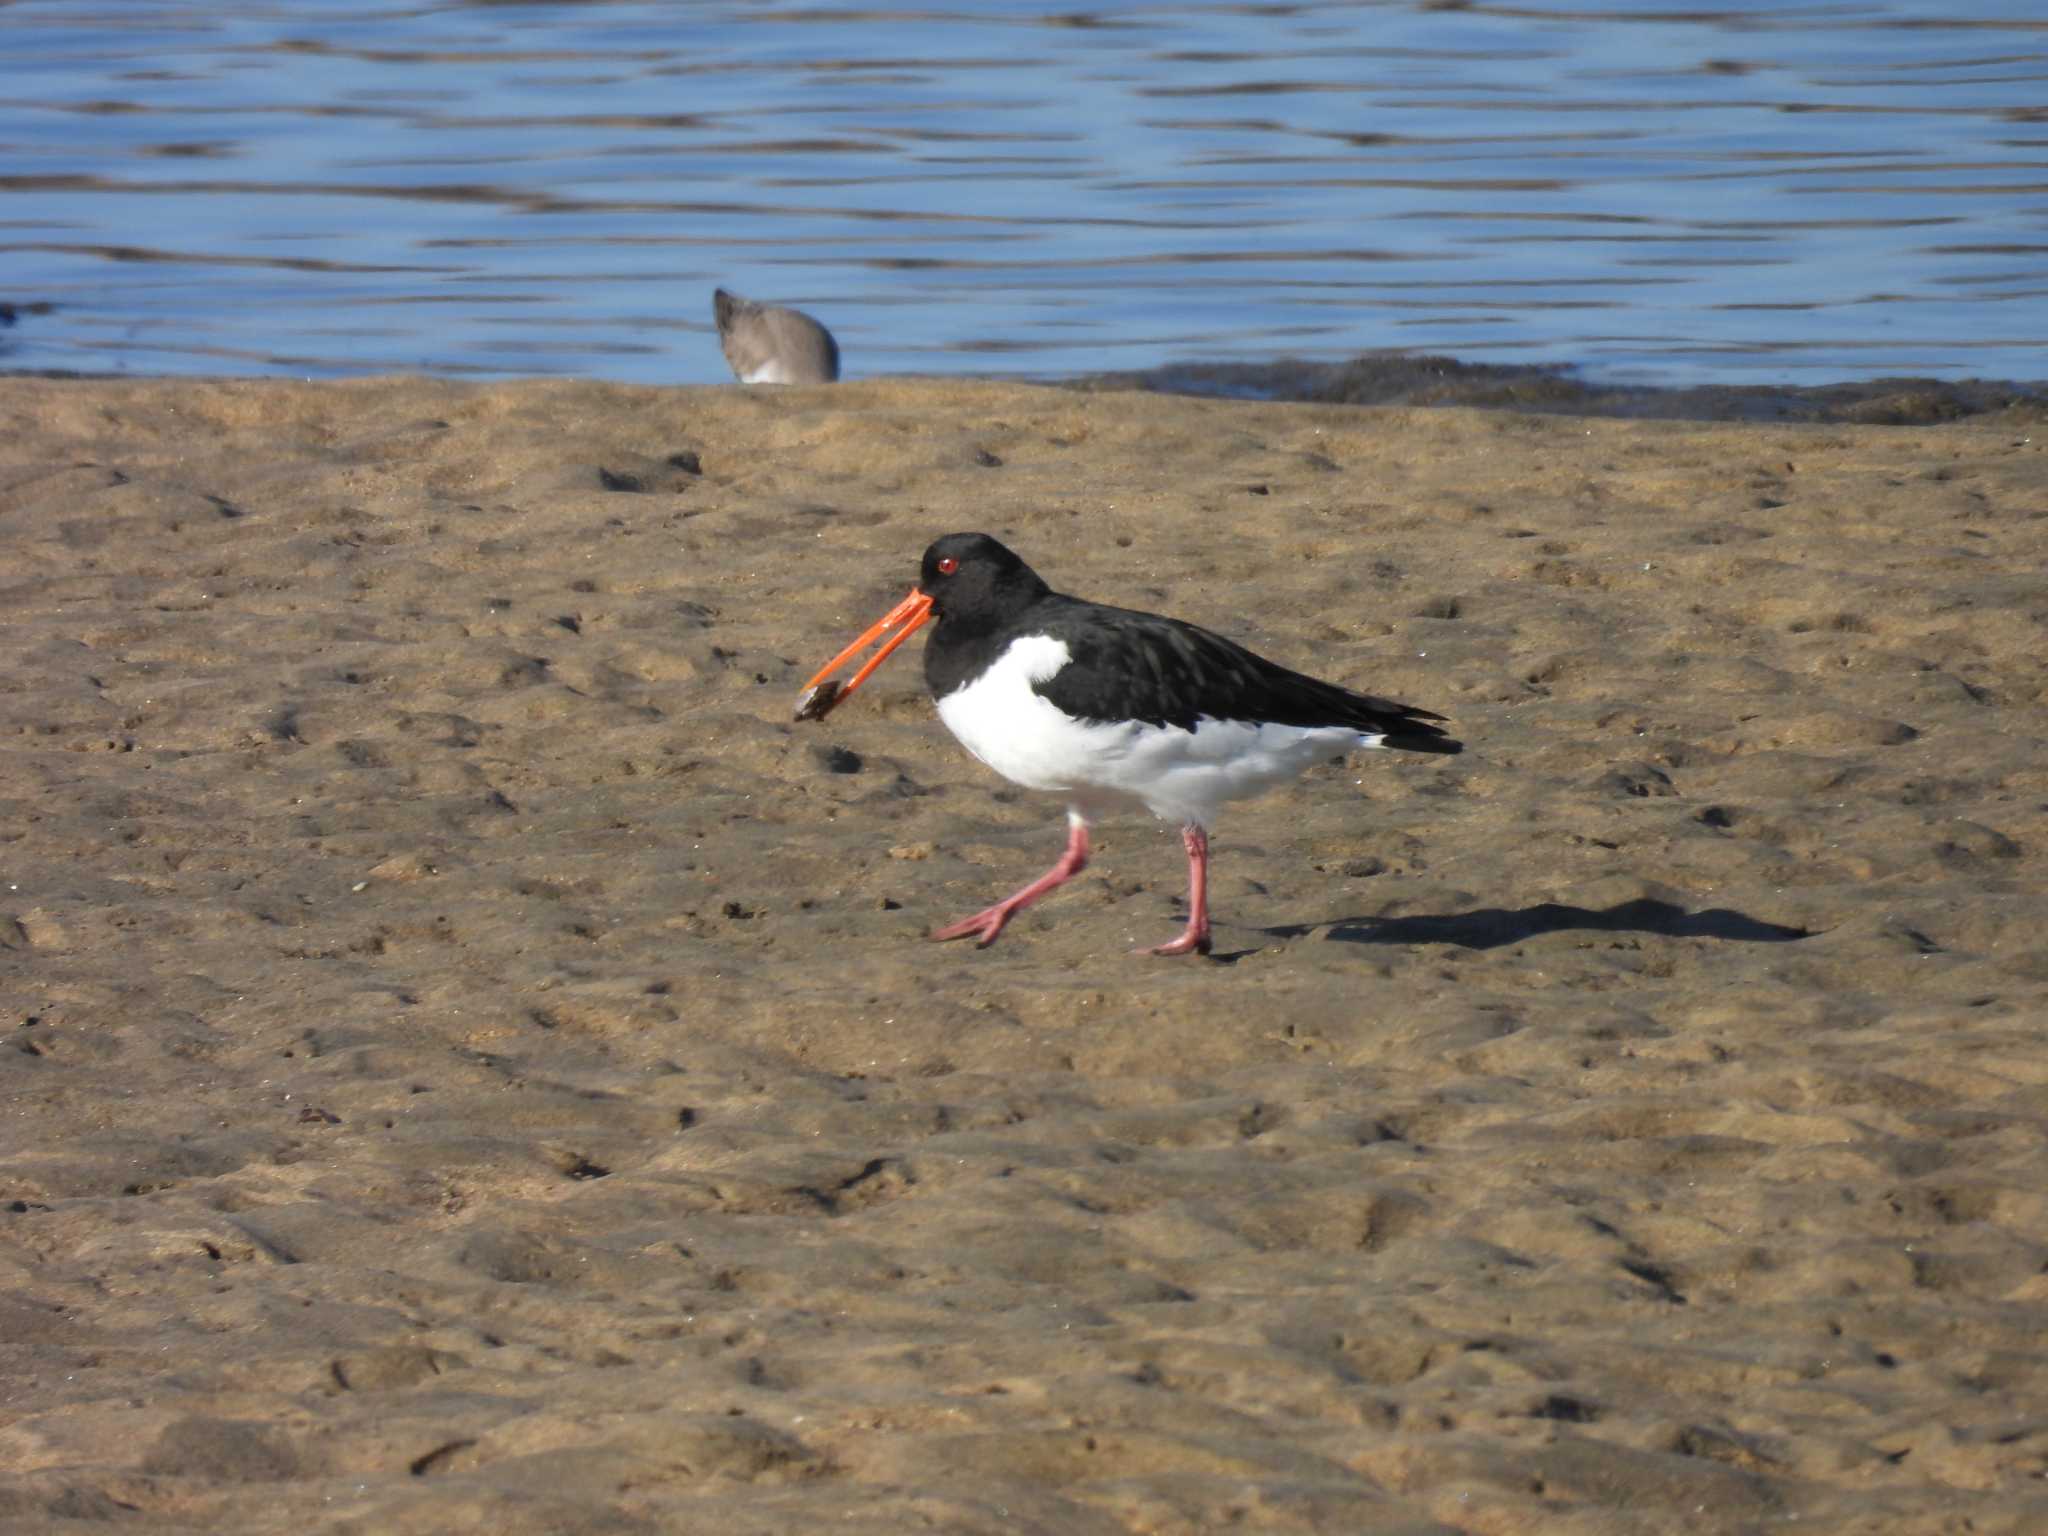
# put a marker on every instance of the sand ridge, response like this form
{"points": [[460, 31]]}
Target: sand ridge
{"points": [[473, 1064]]}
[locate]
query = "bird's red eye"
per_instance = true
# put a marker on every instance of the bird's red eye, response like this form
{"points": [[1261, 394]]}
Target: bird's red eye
{"points": [[948, 565]]}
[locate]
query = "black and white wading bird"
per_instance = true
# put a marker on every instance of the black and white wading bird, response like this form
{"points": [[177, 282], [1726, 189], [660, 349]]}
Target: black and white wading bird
{"points": [[767, 344], [1108, 706]]}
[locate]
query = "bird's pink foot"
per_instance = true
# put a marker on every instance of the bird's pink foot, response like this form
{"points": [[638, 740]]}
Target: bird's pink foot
{"points": [[982, 927], [1195, 941], [987, 923]]}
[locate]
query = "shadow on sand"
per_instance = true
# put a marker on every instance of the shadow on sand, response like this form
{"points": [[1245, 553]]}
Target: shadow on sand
{"points": [[1494, 927]]}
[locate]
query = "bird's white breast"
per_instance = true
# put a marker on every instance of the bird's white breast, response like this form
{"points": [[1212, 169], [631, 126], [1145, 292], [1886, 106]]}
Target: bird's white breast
{"points": [[1018, 732], [1176, 774]]}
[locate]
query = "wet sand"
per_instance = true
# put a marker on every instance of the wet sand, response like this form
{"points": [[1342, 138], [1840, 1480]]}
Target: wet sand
{"points": [[472, 1063]]}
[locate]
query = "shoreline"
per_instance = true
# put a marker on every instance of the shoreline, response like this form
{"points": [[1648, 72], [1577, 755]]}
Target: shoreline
{"points": [[1404, 379]]}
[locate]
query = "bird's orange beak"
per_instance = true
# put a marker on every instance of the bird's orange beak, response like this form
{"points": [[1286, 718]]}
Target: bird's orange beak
{"points": [[821, 696]]}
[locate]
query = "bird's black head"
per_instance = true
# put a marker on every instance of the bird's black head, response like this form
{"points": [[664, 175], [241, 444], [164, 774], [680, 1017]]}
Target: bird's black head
{"points": [[971, 578]]}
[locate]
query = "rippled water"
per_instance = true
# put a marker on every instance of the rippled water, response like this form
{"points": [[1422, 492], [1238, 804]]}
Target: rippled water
{"points": [[1757, 191]]}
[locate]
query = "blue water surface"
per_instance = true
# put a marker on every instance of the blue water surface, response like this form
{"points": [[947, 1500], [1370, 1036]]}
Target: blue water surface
{"points": [[1652, 194]]}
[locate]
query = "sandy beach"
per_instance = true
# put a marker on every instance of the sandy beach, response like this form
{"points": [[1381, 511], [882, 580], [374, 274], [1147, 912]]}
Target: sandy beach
{"points": [[474, 1065]]}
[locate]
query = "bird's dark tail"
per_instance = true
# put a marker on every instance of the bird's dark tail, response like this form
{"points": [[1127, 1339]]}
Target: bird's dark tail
{"points": [[1404, 727], [1412, 740]]}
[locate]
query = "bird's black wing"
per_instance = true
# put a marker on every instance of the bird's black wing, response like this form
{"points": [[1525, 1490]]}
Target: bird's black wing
{"points": [[1128, 665]]}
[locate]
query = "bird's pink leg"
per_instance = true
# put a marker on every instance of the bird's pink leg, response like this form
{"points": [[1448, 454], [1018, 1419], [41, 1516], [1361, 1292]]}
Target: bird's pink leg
{"points": [[985, 925], [1194, 939]]}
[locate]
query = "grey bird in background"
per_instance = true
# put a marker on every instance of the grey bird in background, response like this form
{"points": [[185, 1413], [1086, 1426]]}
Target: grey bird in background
{"points": [[767, 344]]}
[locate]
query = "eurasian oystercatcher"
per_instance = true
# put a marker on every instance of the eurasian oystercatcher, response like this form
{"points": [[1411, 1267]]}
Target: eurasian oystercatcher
{"points": [[1108, 706], [767, 344]]}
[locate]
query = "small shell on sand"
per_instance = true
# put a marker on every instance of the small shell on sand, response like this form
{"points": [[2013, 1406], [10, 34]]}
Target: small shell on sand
{"points": [[817, 702]]}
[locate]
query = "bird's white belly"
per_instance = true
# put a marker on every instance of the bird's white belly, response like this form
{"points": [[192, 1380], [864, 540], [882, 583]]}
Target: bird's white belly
{"points": [[1179, 775], [773, 371]]}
